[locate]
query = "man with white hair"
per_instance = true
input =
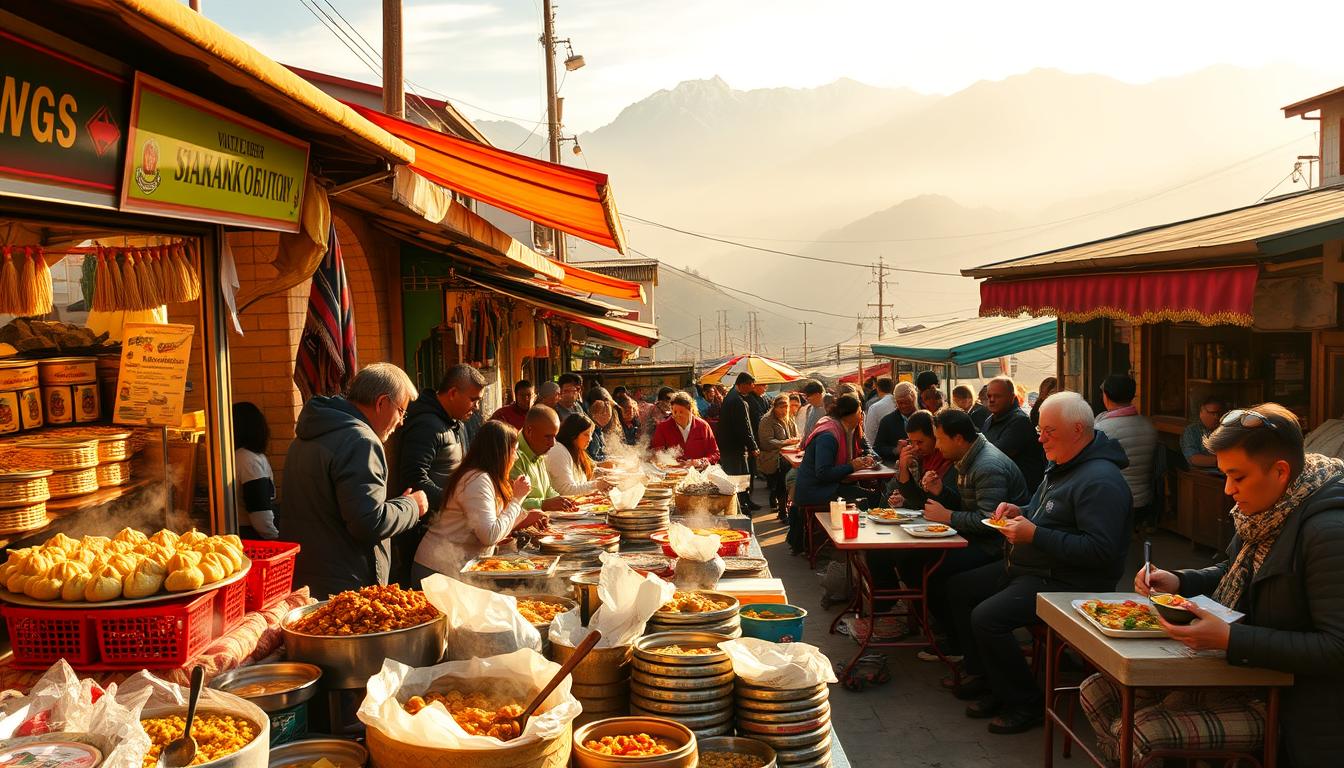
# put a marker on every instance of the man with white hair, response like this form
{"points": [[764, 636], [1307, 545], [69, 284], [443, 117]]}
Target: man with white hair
{"points": [[335, 488], [891, 429], [1071, 537]]}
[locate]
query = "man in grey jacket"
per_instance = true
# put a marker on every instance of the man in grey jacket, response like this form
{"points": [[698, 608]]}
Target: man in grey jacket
{"points": [[1135, 432], [335, 488], [986, 478]]}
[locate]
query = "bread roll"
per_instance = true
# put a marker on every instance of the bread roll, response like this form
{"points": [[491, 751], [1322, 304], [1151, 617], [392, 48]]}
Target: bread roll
{"points": [[43, 588], [147, 579], [130, 536], [234, 556], [182, 560], [165, 538], [184, 580], [232, 540], [192, 538], [67, 570], [73, 589], [56, 554], [214, 567], [124, 564], [94, 543], [62, 542], [85, 557], [105, 585], [119, 548]]}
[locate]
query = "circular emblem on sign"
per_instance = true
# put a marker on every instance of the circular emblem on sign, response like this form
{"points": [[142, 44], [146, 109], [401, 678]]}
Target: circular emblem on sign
{"points": [[147, 176]]}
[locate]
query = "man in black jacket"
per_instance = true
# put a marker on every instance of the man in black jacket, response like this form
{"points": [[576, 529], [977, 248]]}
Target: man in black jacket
{"points": [[429, 448], [338, 505], [1283, 572], [1071, 537], [737, 435], [891, 429], [1009, 429]]}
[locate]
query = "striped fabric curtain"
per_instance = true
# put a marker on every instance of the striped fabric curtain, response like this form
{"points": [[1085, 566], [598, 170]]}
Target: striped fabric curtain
{"points": [[326, 361]]}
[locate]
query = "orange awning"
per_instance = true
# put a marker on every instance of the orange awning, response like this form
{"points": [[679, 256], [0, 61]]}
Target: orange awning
{"points": [[568, 199], [587, 281]]}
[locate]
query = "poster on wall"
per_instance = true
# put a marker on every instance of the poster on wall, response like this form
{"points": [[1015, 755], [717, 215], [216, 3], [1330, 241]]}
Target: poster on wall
{"points": [[152, 380]]}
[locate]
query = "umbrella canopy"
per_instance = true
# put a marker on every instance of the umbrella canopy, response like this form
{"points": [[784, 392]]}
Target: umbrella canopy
{"points": [[763, 369]]}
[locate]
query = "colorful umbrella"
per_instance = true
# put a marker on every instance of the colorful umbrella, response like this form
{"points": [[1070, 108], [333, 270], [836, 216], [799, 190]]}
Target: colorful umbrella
{"points": [[765, 371]]}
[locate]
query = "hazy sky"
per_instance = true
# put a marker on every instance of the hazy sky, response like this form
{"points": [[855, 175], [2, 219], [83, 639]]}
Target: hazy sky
{"points": [[486, 53]]}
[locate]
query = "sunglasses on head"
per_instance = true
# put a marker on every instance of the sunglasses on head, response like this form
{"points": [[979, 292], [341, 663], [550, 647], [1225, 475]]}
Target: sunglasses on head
{"points": [[1248, 419]]}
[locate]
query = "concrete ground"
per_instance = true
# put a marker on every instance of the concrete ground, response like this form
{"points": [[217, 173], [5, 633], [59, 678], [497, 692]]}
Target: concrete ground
{"points": [[911, 722]]}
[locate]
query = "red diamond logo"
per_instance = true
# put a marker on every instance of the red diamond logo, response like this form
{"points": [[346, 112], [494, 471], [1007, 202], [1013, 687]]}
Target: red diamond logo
{"points": [[103, 130]]}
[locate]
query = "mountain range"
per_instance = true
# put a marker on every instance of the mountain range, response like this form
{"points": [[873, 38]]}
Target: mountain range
{"points": [[849, 173]]}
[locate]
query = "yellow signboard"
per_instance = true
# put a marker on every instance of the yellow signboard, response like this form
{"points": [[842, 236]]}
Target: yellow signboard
{"points": [[191, 159], [152, 380]]}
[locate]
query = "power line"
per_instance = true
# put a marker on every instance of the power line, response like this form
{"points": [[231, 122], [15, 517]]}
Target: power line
{"points": [[787, 253]]}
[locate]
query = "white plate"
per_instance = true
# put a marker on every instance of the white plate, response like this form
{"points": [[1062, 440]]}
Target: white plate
{"points": [[919, 531], [1128, 634], [21, 599], [985, 521], [898, 520]]}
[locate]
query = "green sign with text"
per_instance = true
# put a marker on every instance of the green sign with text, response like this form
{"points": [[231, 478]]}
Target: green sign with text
{"points": [[191, 159]]}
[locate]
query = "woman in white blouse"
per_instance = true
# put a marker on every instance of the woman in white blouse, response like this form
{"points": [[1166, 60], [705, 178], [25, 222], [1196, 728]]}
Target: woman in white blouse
{"points": [[483, 506], [568, 462]]}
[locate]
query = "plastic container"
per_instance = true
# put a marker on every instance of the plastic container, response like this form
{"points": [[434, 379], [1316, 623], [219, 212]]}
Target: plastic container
{"points": [[281, 690], [788, 629], [230, 607], [40, 636], [850, 523], [272, 576], [157, 636], [738, 546]]}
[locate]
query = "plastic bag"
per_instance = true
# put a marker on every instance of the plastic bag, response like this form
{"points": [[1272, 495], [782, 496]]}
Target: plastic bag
{"points": [[628, 600], [167, 698], [725, 483], [518, 675], [479, 622], [61, 702], [627, 498], [698, 563], [783, 666]]}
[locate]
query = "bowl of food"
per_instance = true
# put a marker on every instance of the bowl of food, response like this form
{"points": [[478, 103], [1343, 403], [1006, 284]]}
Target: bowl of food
{"points": [[351, 634], [697, 607], [223, 736], [309, 753], [282, 690], [647, 742], [735, 752], [541, 610], [1173, 608], [681, 648], [731, 541], [775, 622]]}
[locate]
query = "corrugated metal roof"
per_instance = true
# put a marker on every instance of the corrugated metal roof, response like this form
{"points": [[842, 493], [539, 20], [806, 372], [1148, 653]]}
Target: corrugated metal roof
{"points": [[1309, 104], [970, 341], [1238, 234]]}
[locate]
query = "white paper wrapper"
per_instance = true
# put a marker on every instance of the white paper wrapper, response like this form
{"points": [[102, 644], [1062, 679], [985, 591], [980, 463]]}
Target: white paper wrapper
{"points": [[520, 674], [726, 483], [61, 702], [784, 666], [163, 694], [690, 545], [628, 600], [627, 497], [480, 622]]}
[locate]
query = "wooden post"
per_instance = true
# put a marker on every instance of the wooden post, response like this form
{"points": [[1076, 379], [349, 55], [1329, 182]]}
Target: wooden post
{"points": [[394, 84]]}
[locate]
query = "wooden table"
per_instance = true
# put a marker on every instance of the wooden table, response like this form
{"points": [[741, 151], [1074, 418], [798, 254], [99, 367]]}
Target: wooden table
{"points": [[879, 472], [865, 593], [1132, 664]]}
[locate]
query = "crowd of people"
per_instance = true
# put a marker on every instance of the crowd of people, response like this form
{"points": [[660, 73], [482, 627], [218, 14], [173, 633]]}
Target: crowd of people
{"points": [[381, 484]]}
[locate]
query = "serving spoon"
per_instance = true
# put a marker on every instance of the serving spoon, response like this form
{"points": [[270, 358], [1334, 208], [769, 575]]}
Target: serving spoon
{"points": [[580, 653], [180, 752]]}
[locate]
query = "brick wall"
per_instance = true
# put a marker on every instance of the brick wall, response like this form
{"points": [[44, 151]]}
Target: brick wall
{"points": [[263, 357]]}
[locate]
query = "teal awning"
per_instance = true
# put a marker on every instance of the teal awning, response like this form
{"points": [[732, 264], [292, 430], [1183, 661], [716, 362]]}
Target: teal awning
{"points": [[969, 341]]}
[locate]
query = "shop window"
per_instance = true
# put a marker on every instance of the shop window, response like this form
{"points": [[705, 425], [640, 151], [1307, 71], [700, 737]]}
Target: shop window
{"points": [[1242, 367]]}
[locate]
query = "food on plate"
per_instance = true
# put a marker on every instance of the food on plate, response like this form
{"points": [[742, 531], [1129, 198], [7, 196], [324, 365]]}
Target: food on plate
{"points": [[997, 522], [936, 528], [1126, 615], [507, 565], [633, 745], [368, 610], [767, 614], [677, 650], [476, 713], [216, 735], [887, 514], [538, 612], [693, 602], [78, 570], [725, 534], [729, 760], [1171, 601]]}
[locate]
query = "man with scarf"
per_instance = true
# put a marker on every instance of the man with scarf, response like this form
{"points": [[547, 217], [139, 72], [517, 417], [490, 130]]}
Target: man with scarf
{"points": [[1284, 574], [834, 450]]}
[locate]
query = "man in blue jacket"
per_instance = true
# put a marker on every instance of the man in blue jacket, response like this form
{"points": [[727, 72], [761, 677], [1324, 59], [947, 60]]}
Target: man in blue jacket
{"points": [[1071, 537]]}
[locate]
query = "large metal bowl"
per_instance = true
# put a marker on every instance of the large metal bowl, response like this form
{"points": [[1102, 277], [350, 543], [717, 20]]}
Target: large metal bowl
{"points": [[348, 662], [253, 754], [673, 696], [757, 693], [694, 722], [676, 710], [753, 706], [684, 756], [646, 648], [703, 618], [650, 669], [568, 604], [741, 746], [291, 683], [300, 754]]}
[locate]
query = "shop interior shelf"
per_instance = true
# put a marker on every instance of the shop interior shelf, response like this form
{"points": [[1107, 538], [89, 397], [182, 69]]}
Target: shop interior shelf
{"points": [[68, 507]]}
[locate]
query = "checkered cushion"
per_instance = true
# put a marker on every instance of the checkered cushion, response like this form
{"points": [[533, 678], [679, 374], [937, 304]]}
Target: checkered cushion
{"points": [[1185, 719]]}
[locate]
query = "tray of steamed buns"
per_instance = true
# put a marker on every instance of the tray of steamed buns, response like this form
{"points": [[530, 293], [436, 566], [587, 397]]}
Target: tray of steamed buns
{"points": [[129, 568]]}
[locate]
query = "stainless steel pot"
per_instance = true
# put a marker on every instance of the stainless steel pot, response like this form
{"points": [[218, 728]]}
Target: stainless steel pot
{"points": [[683, 683], [682, 670], [702, 618], [669, 709], [678, 696], [300, 754], [740, 746], [708, 720], [646, 648], [757, 693], [294, 682], [780, 718], [348, 662], [805, 755], [765, 707]]}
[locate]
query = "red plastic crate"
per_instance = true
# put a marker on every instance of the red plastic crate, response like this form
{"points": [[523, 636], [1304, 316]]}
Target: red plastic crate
{"points": [[157, 636], [230, 606], [272, 576], [40, 636]]}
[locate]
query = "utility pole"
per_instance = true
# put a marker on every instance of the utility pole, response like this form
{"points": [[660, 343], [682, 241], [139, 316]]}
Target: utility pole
{"points": [[880, 273], [558, 245], [805, 323], [394, 83], [859, 319], [722, 327], [753, 331], [700, 342]]}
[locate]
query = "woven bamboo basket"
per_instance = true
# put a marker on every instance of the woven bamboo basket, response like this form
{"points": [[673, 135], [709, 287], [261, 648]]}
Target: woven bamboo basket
{"points": [[112, 449], [59, 456], [21, 489], [114, 474], [63, 485], [384, 752], [20, 519]]}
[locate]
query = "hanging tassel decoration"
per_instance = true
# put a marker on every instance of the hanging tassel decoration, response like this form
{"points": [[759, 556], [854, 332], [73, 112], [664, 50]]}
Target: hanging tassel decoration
{"points": [[46, 300], [116, 293], [27, 290], [149, 281], [130, 282], [9, 280], [102, 283], [191, 279]]}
